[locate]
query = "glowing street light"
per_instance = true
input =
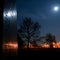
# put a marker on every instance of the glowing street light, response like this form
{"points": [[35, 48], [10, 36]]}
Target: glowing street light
{"points": [[10, 14]]}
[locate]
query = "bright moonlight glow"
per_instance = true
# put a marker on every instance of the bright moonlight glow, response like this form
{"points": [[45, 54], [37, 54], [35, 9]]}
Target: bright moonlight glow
{"points": [[56, 8]]}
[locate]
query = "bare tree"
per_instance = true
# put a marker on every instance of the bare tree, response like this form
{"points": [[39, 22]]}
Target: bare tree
{"points": [[29, 30], [50, 39]]}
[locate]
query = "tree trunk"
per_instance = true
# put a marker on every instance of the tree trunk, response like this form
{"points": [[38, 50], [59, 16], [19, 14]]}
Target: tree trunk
{"points": [[51, 45], [28, 43]]}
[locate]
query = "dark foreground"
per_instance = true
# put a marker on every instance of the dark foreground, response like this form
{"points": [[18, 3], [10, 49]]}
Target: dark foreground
{"points": [[32, 53]]}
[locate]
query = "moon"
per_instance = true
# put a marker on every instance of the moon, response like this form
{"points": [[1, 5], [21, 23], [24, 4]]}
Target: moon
{"points": [[56, 8]]}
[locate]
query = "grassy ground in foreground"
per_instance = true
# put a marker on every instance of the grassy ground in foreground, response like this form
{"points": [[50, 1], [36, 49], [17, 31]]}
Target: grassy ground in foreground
{"points": [[33, 53], [41, 49]]}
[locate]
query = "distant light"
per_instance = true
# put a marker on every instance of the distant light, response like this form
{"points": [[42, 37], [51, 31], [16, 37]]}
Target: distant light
{"points": [[9, 14], [10, 45], [56, 8]]}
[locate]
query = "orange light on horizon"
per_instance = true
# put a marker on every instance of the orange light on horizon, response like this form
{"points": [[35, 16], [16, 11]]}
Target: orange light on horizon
{"points": [[55, 45], [45, 45], [10, 45]]}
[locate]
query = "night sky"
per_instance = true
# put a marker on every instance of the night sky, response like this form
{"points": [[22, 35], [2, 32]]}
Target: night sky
{"points": [[43, 12]]}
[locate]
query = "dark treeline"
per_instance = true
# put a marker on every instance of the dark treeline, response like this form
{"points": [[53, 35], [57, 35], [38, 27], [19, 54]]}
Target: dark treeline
{"points": [[29, 32]]}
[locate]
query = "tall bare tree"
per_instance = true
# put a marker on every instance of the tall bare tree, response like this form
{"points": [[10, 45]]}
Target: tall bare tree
{"points": [[29, 30]]}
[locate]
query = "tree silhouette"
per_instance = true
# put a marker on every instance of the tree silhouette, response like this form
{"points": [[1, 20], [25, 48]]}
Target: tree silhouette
{"points": [[34, 43], [29, 30], [50, 39]]}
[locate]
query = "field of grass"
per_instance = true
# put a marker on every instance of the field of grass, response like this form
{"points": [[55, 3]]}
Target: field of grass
{"points": [[32, 53]]}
